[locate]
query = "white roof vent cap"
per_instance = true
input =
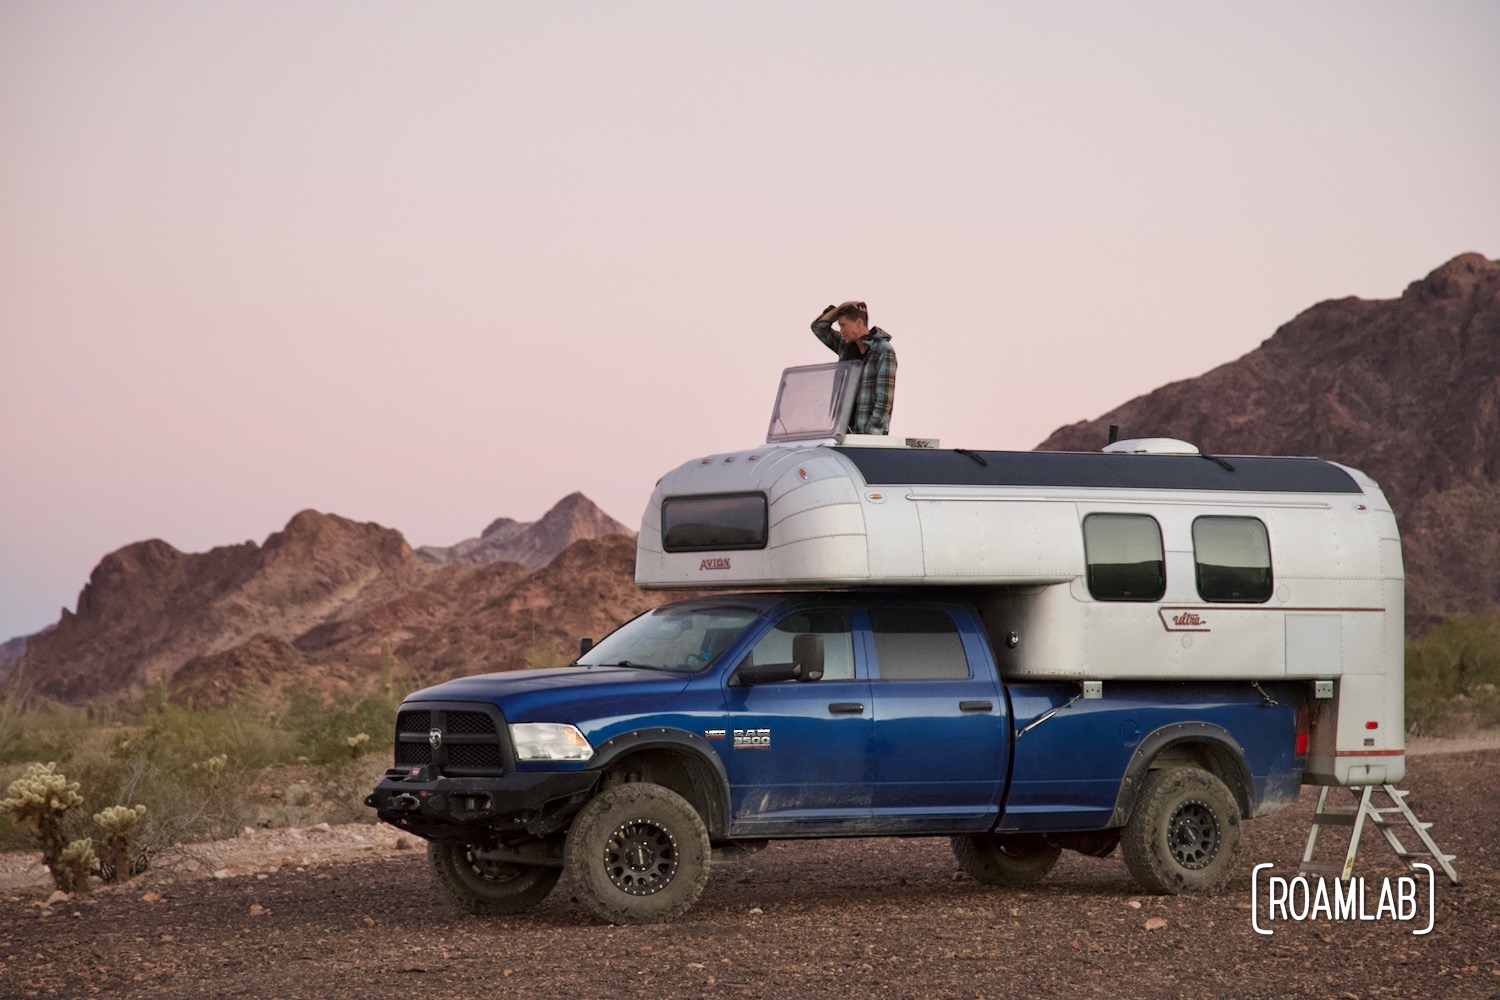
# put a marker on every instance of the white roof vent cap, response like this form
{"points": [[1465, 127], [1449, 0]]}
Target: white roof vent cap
{"points": [[1152, 446]]}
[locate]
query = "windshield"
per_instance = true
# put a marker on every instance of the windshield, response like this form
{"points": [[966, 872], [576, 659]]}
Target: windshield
{"points": [[680, 639]]}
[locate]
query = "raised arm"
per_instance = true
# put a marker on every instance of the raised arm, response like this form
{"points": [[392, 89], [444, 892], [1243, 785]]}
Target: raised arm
{"points": [[822, 328]]}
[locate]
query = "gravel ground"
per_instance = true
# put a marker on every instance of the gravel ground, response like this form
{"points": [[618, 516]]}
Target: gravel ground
{"points": [[346, 912]]}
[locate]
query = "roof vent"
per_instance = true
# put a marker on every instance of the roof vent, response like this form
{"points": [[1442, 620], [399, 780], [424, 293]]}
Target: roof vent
{"points": [[1152, 446]]}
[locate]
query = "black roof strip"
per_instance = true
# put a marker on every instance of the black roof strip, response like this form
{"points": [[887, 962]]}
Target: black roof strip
{"points": [[961, 467]]}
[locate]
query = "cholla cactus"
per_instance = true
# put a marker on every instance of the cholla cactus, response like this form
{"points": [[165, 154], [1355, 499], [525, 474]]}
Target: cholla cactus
{"points": [[357, 743], [213, 767], [41, 796], [119, 824], [74, 865]]}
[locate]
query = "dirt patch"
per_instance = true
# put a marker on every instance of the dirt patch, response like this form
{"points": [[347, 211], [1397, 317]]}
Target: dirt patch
{"points": [[817, 918]]}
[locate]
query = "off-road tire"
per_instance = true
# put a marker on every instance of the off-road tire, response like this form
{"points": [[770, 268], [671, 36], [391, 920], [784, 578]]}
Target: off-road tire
{"points": [[490, 888], [1014, 860], [638, 854], [1184, 835]]}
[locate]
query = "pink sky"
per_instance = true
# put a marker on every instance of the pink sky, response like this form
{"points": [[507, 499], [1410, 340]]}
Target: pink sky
{"points": [[427, 265]]}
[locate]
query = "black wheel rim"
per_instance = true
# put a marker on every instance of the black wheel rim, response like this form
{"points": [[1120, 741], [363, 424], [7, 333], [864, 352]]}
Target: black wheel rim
{"points": [[1193, 835], [641, 857]]}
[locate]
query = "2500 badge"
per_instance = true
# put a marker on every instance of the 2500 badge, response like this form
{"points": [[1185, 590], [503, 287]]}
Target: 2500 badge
{"points": [[752, 739]]}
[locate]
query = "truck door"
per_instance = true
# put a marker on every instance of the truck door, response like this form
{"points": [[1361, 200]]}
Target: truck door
{"points": [[798, 752], [940, 737]]}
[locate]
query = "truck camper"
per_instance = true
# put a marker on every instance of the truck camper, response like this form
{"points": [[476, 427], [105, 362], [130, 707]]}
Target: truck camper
{"points": [[1024, 652], [1148, 560]]}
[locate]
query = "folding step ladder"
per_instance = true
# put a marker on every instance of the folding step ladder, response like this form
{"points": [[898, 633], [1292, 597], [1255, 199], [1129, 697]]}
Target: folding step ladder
{"points": [[1365, 809]]}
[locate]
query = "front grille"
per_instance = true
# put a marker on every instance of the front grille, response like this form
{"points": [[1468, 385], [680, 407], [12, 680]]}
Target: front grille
{"points": [[414, 722], [408, 754], [474, 755], [475, 723], [468, 739]]}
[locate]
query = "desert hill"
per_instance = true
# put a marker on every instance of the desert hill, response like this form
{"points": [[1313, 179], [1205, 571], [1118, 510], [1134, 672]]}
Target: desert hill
{"points": [[532, 544], [1406, 390], [318, 602], [10, 652]]}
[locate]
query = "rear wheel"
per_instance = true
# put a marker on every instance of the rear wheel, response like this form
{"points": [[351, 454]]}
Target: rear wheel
{"points": [[639, 854], [490, 888], [1184, 835], [1014, 860]]}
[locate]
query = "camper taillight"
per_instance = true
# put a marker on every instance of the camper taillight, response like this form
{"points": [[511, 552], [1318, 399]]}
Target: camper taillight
{"points": [[1299, 748]]}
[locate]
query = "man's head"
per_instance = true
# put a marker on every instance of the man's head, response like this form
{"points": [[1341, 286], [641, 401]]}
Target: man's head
{"points": [[853, 319]]}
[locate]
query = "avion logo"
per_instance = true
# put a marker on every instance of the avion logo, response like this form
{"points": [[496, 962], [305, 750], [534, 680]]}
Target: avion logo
{"points": [[1186, 618], [720, 563]]}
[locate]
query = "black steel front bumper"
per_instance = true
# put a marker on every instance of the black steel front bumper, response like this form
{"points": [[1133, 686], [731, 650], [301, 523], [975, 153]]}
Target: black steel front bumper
{"points": [[478, 809]]}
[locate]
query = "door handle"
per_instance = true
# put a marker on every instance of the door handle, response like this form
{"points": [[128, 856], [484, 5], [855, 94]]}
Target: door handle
{"points": [[976, 706], [846, 708]]}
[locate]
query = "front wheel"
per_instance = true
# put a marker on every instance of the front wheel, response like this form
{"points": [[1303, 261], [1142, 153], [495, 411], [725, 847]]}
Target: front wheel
{"points": [[639, 854], [1184, 835], [489, 888], [1014, 860]]}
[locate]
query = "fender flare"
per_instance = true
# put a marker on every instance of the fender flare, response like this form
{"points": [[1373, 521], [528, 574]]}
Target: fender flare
{"points": [[666, 738], [1240, 785]]}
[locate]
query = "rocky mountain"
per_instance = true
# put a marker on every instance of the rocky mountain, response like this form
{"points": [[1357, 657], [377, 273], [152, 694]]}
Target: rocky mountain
{"points": [[1407, 390], [532, 544], [464, 619], [149, 608], [10, 653], [323, 602]]}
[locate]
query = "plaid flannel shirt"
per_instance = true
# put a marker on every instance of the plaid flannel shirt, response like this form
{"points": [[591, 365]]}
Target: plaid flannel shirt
{"points": [[877, 381]]}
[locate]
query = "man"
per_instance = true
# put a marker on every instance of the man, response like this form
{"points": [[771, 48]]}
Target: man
{"points": [[856, 339]]}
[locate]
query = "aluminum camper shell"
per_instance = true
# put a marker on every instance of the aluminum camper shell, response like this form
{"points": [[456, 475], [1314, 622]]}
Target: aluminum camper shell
{"points": [[1011, 527]]}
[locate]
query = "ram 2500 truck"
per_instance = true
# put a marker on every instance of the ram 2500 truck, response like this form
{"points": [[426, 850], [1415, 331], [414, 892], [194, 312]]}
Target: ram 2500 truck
{"points": [[704, 728]]}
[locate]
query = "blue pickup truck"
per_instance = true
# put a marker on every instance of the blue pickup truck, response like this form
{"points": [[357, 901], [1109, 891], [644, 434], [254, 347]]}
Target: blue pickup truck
{"points": [[699, 731]]}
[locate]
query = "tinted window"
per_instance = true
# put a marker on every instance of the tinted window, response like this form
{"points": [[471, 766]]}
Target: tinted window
{"points": [[838, 648], [1125, 561], [694, 524], [1234, 559], [917, 644]]}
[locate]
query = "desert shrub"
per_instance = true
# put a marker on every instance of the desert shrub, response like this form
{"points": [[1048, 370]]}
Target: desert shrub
{"points": [[41, 731], [192, 771], [323, 731], [1453, 676], [549, 653]]}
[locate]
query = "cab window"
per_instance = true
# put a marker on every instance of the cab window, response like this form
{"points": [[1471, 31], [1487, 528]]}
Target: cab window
{"points": [[831, 624], [917, 644]]}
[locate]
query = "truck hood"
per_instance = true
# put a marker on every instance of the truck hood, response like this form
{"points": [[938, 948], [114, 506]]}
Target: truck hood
{"points": [[561, 695]]}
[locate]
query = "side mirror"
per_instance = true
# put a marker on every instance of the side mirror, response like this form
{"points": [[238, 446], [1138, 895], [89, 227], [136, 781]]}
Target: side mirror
{"points": [[807, 650], [750, 674], [584, 645]]}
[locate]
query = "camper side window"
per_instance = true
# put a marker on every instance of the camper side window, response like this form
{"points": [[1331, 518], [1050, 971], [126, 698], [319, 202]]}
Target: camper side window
{"points": [[1233, 556], [1125, 560]]}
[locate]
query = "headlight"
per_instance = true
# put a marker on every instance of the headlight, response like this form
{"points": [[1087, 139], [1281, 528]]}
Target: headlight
{"points": [[549, 741]]}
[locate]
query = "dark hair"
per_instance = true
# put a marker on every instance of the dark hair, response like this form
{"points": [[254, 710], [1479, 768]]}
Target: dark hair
{"points": [[854, 310]]}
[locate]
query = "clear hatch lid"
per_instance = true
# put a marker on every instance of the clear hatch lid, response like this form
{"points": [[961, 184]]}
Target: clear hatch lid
{"points": [[814, 401]]}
